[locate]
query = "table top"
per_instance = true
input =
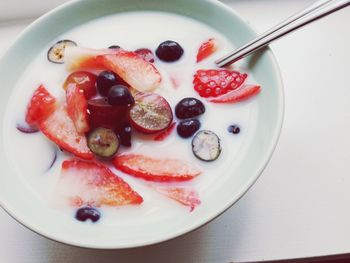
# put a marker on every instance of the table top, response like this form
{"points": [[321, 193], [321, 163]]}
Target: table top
{"points": [[300, 205]]}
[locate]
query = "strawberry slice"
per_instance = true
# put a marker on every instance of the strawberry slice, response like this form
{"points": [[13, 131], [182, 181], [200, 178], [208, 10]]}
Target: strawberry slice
{"points": [[91, 183], [206, 49], [216, 82], [183, 195], [77, 108], [152, 169], [77, 58], [134, 70], [84, 80], [165, 134], [41, 105], [243, 93], [60, 129]]}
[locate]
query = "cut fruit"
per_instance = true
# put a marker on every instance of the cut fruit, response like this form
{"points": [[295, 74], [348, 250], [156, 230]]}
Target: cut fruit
{"points": [[56, 53], [243, 93], [146, 54], [166, 133], [206, 49], [84, 80], [184, 195], [206, 146], [103, 142], [151, 113], [41, 106], [134, 70], [78, 58], [102, 114], [93, 184], [153, 169], [77, 108], [216, 82], [60, 129]]}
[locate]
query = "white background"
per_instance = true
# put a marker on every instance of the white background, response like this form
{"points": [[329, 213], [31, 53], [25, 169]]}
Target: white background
{"points": [[299, 207]]}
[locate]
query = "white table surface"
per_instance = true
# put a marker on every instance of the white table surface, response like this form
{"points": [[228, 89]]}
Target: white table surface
{"points": [[300, 206]]}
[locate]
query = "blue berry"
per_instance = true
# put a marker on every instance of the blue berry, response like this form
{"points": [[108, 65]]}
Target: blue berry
{"points": [[234, 129], [169, 51], [86, 213], [188, 127]]}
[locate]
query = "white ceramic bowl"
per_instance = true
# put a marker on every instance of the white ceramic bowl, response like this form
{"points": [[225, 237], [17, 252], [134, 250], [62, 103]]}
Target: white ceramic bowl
{"points": [[28, 209]]}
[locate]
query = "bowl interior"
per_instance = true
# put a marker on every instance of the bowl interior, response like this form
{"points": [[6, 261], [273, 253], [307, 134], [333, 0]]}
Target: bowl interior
{"points": [[24, 206]]}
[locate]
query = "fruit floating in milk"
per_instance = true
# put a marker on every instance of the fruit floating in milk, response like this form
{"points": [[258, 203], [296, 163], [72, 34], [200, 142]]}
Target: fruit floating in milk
{"points": [[136, 126]]}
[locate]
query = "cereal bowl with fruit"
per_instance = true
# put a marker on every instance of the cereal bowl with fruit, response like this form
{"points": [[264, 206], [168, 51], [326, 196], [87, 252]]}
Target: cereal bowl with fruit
{"points": [[118, 129]]}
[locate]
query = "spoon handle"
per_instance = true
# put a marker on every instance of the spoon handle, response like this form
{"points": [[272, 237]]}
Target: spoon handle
{"points": [[312, 13]]}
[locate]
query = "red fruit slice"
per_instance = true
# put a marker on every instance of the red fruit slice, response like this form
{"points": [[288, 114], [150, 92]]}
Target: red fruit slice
{"points": [[146, 54], [216, 82], [151, 113], [41, 106], [134, 70], [60, 129], [243, 93], [102, 114], [185, 196], [166, 133], [90, 183], [206, 49], [77, 58], [153, 169], [77, 108], [84, 80]]}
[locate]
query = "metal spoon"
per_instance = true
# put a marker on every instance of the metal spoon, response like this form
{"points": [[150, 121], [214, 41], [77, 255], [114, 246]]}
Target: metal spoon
{"points": [[312, 13]]}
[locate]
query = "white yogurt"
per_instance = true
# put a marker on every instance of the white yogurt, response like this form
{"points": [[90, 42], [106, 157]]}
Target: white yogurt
{"points": [[31, 154]]}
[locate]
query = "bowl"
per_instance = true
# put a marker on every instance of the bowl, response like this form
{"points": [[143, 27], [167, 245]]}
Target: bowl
{"points": [[23, 205]]}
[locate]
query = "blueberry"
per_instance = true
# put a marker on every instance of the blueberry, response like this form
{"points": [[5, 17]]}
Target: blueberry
{"points": [[86, 213], [206, 146], [187, 128], [103, 142], [106, 80], [234, 129], [169, 51], [189, 108], [114, 47], [124, 132], [56, 52], [120, 95]]}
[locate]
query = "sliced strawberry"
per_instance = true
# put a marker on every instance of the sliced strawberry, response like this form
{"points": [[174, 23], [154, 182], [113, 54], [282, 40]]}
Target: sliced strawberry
{"points": [[77, 108], [186, 196], [77, 58], [206, 49], [137, 72], [60, 129], [164, 134], [152, 169], [243, 93], [216, 82], [91, 183], [146, 54], [41, 105], [84, 80]]}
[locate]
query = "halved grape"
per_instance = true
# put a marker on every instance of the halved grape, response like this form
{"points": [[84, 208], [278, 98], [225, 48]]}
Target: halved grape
{"points": [[56, 52], [103, 142], [206, 146], [151, 113]]}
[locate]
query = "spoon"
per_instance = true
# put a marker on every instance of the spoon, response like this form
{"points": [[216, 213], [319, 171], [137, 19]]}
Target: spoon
{"points": [[312, 13]]}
